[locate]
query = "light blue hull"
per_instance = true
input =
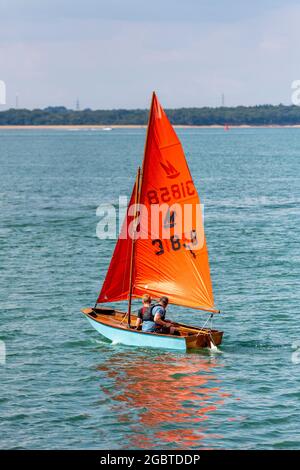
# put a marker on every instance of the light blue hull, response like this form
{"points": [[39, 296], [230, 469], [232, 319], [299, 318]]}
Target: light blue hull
{"points": [[135, 338]]}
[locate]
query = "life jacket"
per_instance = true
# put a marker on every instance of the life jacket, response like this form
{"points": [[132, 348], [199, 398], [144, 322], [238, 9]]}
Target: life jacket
{"points": [[148, 313], [144, 310]]}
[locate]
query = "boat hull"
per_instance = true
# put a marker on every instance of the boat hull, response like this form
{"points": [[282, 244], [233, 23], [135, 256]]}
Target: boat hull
{"points": [[111, 325], [138, 338]]}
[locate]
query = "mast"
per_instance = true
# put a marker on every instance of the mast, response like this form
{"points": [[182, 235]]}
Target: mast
{"points": [[136, 201], [138, 188]]}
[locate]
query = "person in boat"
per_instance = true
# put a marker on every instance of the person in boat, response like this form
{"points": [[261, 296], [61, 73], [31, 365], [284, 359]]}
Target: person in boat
{"points": [[154, 319], [146, 299]]}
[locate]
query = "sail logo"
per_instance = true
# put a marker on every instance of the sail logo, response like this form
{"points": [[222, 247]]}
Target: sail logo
{"points": [[2, 92], [170, 170]]}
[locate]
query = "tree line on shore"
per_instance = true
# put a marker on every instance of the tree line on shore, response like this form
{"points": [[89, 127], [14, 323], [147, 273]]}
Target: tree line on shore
{"points": [[240, 115]]}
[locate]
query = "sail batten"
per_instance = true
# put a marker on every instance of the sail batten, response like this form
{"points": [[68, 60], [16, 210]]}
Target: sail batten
{"points": [[175, 265]]}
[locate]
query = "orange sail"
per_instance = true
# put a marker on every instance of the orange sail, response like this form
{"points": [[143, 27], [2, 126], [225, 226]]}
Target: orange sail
{"points": [[170, 254]]}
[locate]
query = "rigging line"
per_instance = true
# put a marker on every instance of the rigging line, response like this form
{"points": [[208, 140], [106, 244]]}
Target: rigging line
{"points": [[123, 283], [205, 323], [201, 282], [209, 330], [162, 147], [124, 318]]}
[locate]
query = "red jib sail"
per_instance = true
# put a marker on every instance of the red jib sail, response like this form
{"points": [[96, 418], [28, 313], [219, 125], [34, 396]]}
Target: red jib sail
{"points": [[170, 253]]}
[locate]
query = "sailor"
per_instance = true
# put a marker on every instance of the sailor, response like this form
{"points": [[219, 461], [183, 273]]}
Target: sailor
{"points": [[154, 319], [146, 299]]}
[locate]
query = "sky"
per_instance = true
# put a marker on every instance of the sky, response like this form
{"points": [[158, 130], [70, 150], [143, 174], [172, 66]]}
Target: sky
{"points": [[114, 53]]}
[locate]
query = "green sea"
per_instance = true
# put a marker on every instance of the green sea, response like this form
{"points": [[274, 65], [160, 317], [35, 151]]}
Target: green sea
{"points": [[63, 386]]}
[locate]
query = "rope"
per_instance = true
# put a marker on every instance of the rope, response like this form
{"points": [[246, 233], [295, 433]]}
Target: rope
{"points": [[124, 318], [210, 329], [204, 324]]}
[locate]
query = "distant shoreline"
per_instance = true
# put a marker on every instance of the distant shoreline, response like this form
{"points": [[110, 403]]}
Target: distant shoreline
{"points": [[59, 117], [139, 126]]}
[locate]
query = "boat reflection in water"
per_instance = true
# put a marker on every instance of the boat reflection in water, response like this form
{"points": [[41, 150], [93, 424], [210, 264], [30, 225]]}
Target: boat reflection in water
{"points": [[165, 400]]}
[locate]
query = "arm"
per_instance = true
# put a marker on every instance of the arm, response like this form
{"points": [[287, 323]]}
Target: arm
{"points": [[139, 319], [159, 321]]}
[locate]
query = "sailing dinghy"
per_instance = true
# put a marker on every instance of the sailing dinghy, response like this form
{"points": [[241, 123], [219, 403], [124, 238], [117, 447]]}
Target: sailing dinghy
{"points": [[146, 260]]}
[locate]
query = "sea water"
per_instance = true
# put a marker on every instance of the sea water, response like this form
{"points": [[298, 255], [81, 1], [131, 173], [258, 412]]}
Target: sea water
{"points": [[62, 384]]}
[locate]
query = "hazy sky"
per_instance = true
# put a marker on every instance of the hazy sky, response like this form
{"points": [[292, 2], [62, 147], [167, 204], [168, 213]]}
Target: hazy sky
{"points": [[113, 53]]}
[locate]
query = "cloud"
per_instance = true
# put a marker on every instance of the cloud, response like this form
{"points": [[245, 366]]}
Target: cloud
{"points": [[114, 54]]}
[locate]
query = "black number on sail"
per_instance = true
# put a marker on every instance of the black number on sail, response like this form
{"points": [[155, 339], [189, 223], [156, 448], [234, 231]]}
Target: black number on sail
{"points": [[175, 242], [169, 221], [160, 245], [194, 242]]}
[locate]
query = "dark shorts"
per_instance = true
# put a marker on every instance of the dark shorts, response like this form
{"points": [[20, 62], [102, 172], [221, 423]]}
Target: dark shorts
{"points": [[164, 330]]}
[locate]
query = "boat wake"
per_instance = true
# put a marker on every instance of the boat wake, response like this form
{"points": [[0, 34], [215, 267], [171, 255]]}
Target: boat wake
{"points": [[214, 349], [102, 342]]}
